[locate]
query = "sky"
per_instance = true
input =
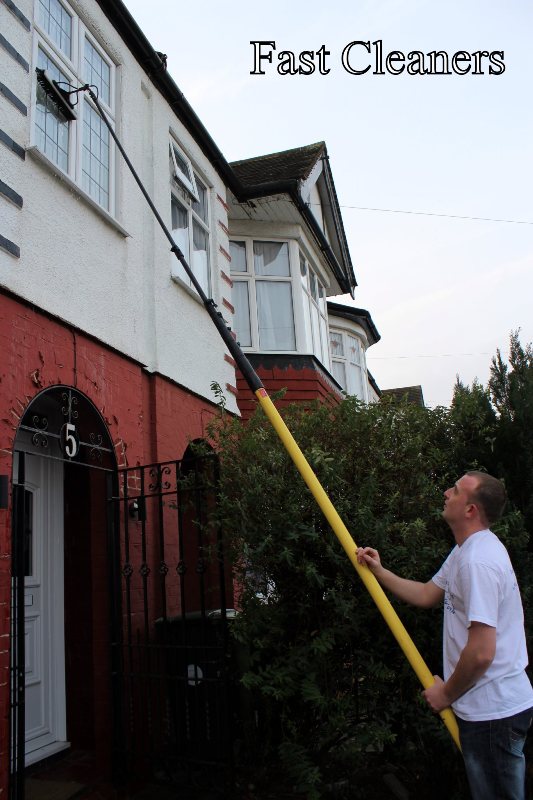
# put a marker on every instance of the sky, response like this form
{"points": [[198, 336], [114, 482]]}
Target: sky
{"points": [[434, 173]]}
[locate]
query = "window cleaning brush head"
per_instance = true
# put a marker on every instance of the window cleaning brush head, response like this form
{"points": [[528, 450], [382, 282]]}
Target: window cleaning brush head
{"points": [[58, 96]]}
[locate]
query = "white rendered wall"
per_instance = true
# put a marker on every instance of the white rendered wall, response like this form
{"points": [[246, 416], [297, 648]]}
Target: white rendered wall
{"points": [[112, 281]]}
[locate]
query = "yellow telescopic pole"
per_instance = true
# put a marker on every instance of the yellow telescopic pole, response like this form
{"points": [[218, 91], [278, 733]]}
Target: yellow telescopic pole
{"points": [[339, 528]]}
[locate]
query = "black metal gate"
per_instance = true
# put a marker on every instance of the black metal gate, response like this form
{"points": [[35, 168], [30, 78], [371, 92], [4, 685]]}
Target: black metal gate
{"points": [[172, 687]]}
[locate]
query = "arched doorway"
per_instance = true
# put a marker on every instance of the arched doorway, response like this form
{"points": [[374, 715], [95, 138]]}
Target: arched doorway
{"points": [[63, 460]]}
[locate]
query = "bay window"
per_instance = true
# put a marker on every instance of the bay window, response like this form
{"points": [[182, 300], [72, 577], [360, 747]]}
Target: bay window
{"points": [[80, 148], [348, 363], [263, 295]]}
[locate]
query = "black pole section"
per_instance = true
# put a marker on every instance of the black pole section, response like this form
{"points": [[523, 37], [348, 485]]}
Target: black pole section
{"points": [[250, 375]]}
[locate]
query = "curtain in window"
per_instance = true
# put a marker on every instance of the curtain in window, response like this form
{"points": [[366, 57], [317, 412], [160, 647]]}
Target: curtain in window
{"points": [[180, 233], [275, 316], [272, 258], [238, 256], [200, 265], [241, 319], [339, 373]]}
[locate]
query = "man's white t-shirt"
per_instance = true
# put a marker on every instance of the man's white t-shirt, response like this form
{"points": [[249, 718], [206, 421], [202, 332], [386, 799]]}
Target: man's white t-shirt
{"points": [[480, 586]]}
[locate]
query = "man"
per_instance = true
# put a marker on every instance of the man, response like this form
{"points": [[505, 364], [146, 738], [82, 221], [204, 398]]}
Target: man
{"points": [[484, 647]]}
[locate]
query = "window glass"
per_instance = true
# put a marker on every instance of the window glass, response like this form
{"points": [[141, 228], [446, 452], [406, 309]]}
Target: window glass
{"points": [[275, 315], [339, 373], [271, 258], [51, 127], [180, 233], [308, 336], [97, 72], [57, 23], [303, 270], [95, 163], [238, 256], [336, 344], [314, 286], [324, 341], [353, 350], [200, 206], [200, 260], [241, 319]]}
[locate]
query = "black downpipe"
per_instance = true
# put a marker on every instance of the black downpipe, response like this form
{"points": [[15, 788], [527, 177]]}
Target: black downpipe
{"points": [[251, 377]]}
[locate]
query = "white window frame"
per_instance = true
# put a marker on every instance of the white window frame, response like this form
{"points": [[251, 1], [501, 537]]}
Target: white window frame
{"points": [[250, 278], [183, 196], [73, 68]]}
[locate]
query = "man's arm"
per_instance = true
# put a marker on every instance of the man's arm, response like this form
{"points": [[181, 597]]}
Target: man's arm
{"points": [[424, 595], [474, 661]]}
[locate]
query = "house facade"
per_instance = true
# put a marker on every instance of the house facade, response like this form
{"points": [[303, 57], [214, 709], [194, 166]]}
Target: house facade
{"points": [[108, 359], [289, 254]]}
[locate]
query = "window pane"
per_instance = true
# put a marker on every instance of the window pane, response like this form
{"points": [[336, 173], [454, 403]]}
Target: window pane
{"points": [[303, 270], [356, 381], [335, 341], [57, 23], [237, 252], [308, 343], [353, 350], [324, 342], [241, 319], [97, 72], [180, 234], [314, 286], [200, 207], [322, 299], [96, 156], [274, 315], [315, 323], [271, 258], [200, 256], [339, 373], [51, 128]]}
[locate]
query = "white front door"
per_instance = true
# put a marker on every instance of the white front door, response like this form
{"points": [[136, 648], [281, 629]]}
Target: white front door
{"points": [[44, 609]]}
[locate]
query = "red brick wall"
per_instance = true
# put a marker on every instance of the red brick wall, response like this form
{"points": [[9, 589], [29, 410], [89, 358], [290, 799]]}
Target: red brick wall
{"points": [[149, 419], [302, 378]]}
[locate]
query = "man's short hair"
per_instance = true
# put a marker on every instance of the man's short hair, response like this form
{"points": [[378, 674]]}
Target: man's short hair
{"points": [[489, 495]]}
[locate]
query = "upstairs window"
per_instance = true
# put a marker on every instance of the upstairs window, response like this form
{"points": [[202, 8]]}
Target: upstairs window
{"points": [[314, 311], [190, 228], [81, 148], [348, 365], [262, 295]]}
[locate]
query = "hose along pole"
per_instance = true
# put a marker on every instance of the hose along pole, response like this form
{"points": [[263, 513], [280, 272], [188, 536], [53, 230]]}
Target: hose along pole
{"points": [[254, 382]]}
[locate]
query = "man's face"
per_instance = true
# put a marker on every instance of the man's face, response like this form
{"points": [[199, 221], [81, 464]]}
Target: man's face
{"points": [[458, 499]]}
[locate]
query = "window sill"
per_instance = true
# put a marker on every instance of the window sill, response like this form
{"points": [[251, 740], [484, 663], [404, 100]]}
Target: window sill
{"points": [[192, 292], [39, 156]]}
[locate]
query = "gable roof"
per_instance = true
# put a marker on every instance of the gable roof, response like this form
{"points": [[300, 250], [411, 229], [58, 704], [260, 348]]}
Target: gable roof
{"points": [[288, 165], [286, 172], [409, 394]]}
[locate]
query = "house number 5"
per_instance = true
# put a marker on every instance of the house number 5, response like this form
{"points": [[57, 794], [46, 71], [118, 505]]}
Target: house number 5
{"points": [[70, 440]]}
